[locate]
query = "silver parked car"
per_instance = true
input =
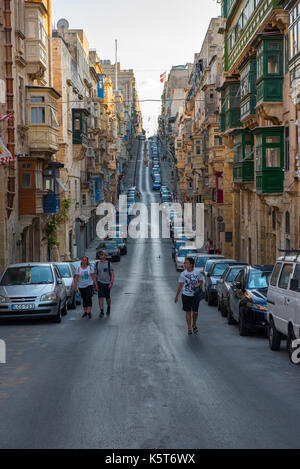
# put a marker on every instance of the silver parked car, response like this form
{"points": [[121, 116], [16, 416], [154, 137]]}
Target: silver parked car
{"points": [[67, 273], [32, 291]]}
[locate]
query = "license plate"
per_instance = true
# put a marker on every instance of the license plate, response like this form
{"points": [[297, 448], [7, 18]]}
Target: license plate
{"points": [[23, 307]]}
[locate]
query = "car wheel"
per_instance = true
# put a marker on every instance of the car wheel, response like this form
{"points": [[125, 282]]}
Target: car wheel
{"points": [[290, 339], [223, 309], [73, 304], [58, 317], [242, 324], [64, 310], [210, 300], [230, 318], [274, 337]]}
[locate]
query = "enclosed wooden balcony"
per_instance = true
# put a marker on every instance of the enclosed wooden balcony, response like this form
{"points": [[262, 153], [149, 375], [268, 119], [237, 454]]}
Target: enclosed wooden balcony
{"points": [[43, 120]]}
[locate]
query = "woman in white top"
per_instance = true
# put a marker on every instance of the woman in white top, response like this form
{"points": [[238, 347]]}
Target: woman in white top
{"points": [[85, 278]]}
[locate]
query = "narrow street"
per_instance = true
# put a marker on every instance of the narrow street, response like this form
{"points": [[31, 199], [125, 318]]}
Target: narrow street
{"points": [[136, 380]]}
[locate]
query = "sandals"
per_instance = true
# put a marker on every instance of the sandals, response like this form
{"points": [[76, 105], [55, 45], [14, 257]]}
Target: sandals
{"points": [[195, 329], [190, 332]]}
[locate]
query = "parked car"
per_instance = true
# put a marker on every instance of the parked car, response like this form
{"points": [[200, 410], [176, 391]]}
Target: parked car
{"points": [[183, 253], [248, 298], [67, 273], [179, 244], [202, 258], [223, 287], [215, 272], [32, 291], [111, 249], [156, 186], [283, 300], [121, 242]]}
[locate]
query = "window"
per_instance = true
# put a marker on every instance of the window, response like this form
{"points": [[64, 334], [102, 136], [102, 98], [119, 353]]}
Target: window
{"points": [[76, 124], [217, 141], [37, 99], [26, 180], [258, 279], [274, 224], [285, 276], [233, 274], [287, 149], [273, 65], [275, 274], [249, 205], [287, 223], [273, 157], [83, 199], [38, 115], [297, 272]]}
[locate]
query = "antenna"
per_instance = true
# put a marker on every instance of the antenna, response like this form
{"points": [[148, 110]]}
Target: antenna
{"points": [[116, 83]]}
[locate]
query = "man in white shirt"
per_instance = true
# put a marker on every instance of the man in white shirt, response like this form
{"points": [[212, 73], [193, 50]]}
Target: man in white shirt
{"points": [[190, 283]]}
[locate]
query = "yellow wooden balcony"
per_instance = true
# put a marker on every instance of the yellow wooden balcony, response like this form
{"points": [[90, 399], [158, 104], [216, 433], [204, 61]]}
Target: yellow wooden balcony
{"points": [[43, 138], [198, 163]]}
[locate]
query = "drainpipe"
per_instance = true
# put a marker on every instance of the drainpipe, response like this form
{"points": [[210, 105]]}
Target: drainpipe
{"points": [[10, 105], [49, 41]]}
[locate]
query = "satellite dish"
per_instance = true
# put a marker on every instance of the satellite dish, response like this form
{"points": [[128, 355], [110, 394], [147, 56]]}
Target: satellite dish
{"points": [[63, 23]]}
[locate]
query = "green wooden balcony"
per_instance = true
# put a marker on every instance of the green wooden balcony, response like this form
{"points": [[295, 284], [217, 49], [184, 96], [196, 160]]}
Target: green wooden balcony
{"points": [[243, 172], [257, 18]]}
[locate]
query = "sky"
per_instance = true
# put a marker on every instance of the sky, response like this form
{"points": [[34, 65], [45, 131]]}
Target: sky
{"points": [[153, 35]]}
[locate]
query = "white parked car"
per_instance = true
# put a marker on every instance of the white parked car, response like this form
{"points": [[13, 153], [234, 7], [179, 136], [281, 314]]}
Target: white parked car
{"points": [[183, 253], [284, 303]]}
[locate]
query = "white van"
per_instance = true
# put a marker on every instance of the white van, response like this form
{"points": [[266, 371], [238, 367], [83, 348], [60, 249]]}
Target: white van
{"points": [[284, 302]]}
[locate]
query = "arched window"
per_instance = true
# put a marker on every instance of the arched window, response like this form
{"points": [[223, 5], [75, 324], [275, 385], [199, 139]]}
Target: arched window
{"points": [[287, 223]]}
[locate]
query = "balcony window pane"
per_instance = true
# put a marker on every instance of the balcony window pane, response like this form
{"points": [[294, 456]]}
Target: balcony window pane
{"points": [[77, 124], [259, 159], [38, 115], [31, 30], [37, 99], [273, 139], [273, 157], [273, 64]]}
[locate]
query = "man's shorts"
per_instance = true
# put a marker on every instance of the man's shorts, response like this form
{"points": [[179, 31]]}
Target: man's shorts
{"points": [[190, 303], [104, 291]]}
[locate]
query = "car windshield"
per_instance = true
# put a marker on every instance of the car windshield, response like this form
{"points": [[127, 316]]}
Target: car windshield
{"points": [[111, 246], [219, 270], [201, 261], [119, 241], [179, 244], [258, 279], [208, 265], [29, 275], [64, 270], [233, 274], [186, 252]]}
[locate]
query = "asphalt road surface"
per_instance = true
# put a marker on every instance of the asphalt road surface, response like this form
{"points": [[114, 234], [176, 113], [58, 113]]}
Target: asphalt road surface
{"points": [[136, 380]]}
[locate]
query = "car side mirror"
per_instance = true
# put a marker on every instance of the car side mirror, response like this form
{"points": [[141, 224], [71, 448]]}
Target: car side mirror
{"points": [[295, 284], [59, 281], [238, 285]]}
